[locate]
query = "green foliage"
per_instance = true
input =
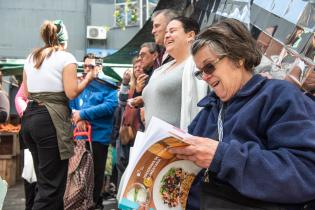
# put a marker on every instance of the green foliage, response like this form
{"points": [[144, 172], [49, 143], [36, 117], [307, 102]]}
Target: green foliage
{"points": [[130, 9]]}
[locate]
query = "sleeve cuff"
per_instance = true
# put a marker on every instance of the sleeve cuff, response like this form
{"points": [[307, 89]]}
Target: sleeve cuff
{"points": [[123, 97], [218, 156], [124, 88], [82, 115]]}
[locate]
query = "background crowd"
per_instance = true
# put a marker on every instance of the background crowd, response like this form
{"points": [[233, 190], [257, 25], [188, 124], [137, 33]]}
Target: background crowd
{"points": [[253, 136]]}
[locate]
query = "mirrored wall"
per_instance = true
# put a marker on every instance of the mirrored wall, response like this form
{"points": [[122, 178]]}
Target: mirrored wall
{"points": [[284, 30]]}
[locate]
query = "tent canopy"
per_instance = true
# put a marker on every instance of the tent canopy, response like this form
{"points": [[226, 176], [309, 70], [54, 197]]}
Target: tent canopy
{"points": [[206, 12], [15, 67]]}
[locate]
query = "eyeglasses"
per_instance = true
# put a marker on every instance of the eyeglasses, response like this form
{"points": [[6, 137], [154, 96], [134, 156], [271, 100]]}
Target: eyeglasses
{"points": [[208, 68], [90, 66]]}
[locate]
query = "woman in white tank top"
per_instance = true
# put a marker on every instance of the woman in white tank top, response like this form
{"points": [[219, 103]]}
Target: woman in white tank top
{"points": [[50, 81]]}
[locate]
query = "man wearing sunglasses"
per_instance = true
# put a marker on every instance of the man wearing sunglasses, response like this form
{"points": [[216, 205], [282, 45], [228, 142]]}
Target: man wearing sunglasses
{"points": [[96, 105], [89, 63]]}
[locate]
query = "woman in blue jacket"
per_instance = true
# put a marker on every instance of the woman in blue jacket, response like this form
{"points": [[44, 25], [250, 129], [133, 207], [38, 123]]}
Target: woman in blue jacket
{"points": [[255, 137]]}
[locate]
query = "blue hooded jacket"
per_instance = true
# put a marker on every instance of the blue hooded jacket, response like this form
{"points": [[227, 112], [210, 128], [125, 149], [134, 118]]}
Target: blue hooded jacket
{"points": [[97, 104], [268, 147]]}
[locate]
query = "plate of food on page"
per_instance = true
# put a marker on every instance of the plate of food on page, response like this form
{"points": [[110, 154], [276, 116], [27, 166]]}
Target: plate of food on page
{"points": [[138, 194], [171, 186]]}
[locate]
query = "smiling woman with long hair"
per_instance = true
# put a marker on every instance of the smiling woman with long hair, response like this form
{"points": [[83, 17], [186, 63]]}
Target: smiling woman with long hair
{"points": [[172, 87]]}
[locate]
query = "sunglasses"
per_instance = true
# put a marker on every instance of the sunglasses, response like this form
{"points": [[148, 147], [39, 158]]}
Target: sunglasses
{"points": [[90, 66], [208, 68]]}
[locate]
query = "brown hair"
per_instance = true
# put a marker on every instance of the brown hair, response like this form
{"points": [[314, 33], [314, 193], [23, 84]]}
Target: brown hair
{"points": [[48, 32], [231, 39], [189, 24]]}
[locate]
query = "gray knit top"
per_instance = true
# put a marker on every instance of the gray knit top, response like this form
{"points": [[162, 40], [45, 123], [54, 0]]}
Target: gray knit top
{"points": [[163, 94]]}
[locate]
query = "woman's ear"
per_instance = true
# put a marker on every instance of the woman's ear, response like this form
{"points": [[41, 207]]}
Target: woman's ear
{"points": [[241, 62], [156, 55], [191, 36]]}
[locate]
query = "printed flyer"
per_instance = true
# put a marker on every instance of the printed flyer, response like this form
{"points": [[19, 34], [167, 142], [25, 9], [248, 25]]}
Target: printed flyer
{"points": [[155, 178]]}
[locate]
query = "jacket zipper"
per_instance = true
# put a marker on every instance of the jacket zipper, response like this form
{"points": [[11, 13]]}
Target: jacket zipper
{"points": [[220, 133]]}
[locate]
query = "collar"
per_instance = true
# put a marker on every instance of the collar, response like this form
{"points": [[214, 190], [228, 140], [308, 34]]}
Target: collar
{"points": [[104, 80], [209, 100], [251, 86], [149, 71], [248, 89]]}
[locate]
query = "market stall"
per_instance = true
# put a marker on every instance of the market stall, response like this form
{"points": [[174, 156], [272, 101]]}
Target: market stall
{"points": [[10, 157], [10, 167]]}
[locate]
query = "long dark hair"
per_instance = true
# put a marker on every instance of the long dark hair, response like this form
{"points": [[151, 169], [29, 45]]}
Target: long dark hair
{"points": [[189, 24]]}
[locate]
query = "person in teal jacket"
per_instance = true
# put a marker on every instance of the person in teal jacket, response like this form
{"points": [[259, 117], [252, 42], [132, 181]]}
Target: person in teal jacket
{"points": [[96, 105]]}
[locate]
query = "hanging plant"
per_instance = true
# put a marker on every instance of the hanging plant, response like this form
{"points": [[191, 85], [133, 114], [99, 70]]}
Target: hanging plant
{"points": [[130, 9], [120, 21], [133, 13]]}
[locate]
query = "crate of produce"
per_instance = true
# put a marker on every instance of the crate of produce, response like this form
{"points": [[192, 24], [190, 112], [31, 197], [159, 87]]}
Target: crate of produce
{"points": [[10, 169], [9, 144]]}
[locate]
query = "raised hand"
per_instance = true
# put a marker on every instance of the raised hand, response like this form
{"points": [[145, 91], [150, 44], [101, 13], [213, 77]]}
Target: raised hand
{"points": [[141, 82]]}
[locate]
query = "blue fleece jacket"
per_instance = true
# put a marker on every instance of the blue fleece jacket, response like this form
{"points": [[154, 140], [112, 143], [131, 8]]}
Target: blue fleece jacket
{"points": [[97, 104], [268, 147]]}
